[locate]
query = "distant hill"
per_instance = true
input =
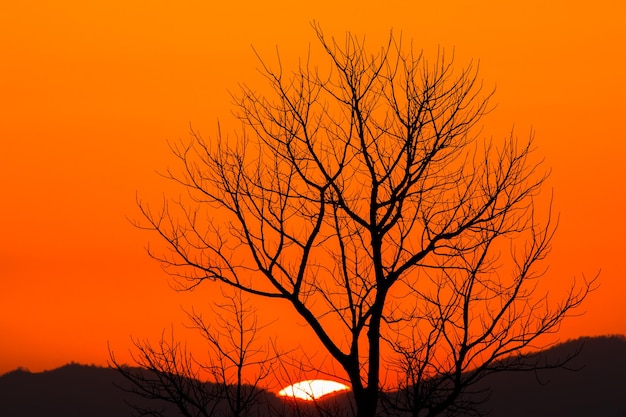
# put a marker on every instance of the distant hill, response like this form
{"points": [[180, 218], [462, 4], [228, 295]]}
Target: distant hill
{"points": [[596, 389], [69, 391], [77, 390], [72, 390]]}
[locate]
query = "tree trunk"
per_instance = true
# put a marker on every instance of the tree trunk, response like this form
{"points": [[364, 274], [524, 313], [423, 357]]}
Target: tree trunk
{"points": [[366, 402]]}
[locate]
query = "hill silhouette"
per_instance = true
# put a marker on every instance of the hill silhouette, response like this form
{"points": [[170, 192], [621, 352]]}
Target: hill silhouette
{"points": [[72, 390], [595, 387]]}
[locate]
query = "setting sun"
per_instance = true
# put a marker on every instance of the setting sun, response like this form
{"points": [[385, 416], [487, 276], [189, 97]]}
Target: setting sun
{"points": [[253, 195], [312, 389]]}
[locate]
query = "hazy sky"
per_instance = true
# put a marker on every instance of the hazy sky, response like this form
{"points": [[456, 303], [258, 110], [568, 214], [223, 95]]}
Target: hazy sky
{"points": [[90, 93]]}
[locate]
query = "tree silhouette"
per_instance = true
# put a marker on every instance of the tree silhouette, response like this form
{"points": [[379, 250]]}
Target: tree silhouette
{"points": [[361, 194], [169, 372]]}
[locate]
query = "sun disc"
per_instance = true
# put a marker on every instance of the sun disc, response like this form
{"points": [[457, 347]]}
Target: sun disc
{"points": [[312, 389]]}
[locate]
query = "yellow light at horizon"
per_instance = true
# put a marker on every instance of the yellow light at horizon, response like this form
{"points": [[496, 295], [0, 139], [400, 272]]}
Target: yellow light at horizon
{"points": [[312, 389]]}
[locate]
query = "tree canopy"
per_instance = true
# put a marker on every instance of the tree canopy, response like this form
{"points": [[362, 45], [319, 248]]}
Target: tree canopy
{"points": [[360, 192]]}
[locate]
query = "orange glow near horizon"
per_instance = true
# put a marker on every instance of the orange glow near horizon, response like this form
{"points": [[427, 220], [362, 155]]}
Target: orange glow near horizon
{"points": [[91, 93]]}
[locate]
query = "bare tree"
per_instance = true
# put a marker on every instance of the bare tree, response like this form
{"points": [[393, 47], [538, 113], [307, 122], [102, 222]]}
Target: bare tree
{"points": [[169, 372], [443, 363], [359, 192]]}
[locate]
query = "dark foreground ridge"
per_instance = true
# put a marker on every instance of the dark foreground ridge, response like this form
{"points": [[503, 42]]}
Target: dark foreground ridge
{"points": [[596, 388]]}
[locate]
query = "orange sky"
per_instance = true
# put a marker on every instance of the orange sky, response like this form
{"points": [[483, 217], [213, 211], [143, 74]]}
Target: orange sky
{"points": [[91, 91]]}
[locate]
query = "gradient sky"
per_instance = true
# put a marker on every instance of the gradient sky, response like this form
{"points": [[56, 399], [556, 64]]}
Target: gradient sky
{"points": [[90, 92]]}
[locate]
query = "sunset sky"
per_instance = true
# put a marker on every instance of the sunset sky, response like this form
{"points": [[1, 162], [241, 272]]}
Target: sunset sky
{"points": [[91, 92]]}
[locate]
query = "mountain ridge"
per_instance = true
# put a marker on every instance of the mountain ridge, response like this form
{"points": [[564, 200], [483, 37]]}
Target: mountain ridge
{"points": [[596, 386]]}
